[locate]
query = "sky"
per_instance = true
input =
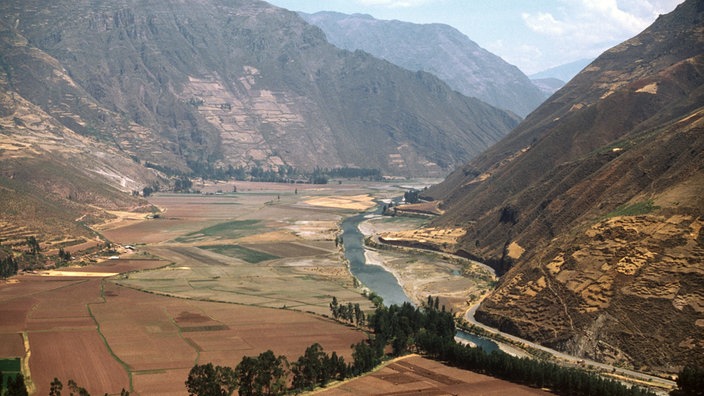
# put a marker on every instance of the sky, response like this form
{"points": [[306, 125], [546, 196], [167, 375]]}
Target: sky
{"points": [[532, 34]]}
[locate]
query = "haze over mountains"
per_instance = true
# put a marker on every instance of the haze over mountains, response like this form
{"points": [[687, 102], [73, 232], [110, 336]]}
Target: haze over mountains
{"points": [[100, 89], [594, 203], [436, 48], [563, 72]]}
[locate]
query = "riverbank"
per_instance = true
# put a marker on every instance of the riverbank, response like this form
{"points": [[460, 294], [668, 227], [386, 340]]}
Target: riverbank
{"points": [[458, 283]]}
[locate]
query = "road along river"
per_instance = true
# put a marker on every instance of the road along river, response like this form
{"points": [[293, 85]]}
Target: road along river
{"points": [[384, 284], [379, 280]]}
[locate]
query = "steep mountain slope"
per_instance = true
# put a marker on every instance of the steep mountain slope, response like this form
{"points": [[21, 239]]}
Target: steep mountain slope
{"points": [[102, 99], [596, 204], [438, 49], [218, 83], [50, 176]]}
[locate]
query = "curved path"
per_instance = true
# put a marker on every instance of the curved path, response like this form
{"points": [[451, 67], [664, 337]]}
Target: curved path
{"points": [[647, 378]]}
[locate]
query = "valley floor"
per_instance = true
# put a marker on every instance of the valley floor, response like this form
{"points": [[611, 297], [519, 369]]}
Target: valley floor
{"points": [[252, 270]]}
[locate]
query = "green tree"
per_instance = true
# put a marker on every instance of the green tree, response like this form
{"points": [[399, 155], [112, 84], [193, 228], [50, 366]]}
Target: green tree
{"points": [[8, 266], [207, 380], [16, 386], [334, 308], [55, 387], [690, 382], [33, 245], [364, 358], [272, 376], [308, 370], [77, 390], [266, 374], [245, 373]]}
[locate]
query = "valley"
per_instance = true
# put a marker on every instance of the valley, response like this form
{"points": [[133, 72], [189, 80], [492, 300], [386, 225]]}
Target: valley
{"points": [[216, 276], [193, 182]]}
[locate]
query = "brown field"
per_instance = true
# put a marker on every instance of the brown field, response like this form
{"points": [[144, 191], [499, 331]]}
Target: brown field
{"points": [[154, 339], [109, 332], [415, 375], [74, 354]]}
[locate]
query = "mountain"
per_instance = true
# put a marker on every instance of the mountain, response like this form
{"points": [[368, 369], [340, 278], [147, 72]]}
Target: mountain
{"points": [[101, 99], [562, 72], [438, 49], [594, 206], [548, 85]]}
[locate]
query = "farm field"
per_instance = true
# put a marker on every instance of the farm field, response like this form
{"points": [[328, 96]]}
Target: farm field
{"points": [[213, 278], [415, 375], [268, 245], [235, 259], [107, 337]]}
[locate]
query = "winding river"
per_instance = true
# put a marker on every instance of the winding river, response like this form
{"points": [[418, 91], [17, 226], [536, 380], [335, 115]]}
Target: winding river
{"points": [[374, 277], [380, 281]]}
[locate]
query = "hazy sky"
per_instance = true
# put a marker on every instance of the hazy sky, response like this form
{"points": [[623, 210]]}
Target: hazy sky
{"points": [[531, 34]]}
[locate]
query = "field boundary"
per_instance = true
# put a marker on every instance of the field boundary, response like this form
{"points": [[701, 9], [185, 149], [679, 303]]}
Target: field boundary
{"points": [[102, 336]]}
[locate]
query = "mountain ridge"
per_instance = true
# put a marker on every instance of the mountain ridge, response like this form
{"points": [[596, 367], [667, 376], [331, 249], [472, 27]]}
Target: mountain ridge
{"points": [[593, 206], [436, 48], [126, 95]]}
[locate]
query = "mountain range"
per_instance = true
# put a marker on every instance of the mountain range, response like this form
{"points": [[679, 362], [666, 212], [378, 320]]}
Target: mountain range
{"points": [[101, 98], [592, 207], [438, 49]]}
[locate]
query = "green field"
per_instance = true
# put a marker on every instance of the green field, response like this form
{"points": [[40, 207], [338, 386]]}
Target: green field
{"points": [[228, 229], [636, 209], [9, 368], [240, 252]]}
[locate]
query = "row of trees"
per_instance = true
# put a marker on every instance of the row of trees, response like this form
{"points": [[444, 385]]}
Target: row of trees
{"points": [[431, 331], [282, 174], [268, 374], [541, 374], [56, 387], [348, 312]]}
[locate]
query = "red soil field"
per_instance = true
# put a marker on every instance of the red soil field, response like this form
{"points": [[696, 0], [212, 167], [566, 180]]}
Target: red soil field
{"points": [[154, 339], [11, 345], [78, 355], [415, 375]]}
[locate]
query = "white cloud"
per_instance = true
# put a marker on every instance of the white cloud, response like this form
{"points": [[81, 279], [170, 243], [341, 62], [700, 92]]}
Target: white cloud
{"points": [[544, 22], [598, 21], [585, 28]]}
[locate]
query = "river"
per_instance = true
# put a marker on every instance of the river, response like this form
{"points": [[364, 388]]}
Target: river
{"points": [[377, 279]]}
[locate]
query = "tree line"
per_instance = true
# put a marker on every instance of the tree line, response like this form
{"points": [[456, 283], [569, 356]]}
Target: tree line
{"points": [[268, 374], [282, 174], [429, 330]]}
